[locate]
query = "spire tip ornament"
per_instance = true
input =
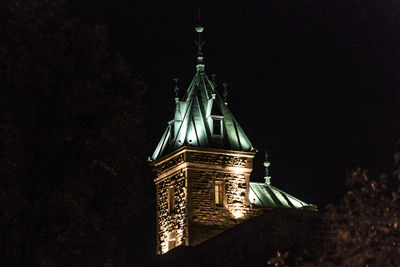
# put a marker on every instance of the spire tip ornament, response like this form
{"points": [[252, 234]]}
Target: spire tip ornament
{"points": [[199, 29], [266, 165], [199, 43]]}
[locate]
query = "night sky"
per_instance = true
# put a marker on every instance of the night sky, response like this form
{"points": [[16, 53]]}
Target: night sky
{"points": [[315, 82]]}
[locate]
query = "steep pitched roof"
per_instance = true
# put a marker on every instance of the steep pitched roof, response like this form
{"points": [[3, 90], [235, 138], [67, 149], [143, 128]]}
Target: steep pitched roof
{"points": [[197, 118]]}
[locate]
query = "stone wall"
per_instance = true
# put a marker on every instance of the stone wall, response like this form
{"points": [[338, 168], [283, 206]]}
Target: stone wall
{"points": [[201, 195], [193, 175], [206, 218], [173, 221], [169, 164], [218, 159]]}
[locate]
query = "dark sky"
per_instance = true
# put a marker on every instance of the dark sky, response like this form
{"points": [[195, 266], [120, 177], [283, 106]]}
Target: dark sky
{"points": [[316, 82]]}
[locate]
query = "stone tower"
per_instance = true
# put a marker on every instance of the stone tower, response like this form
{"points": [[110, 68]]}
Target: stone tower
{"points": [[203, 164]]}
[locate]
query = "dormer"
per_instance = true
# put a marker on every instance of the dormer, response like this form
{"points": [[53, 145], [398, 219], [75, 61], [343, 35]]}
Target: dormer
{"points": [[215, 117]]}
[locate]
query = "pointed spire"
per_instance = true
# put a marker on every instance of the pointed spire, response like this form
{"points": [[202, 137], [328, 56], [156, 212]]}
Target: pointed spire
{"points": [[213, 81], [194, 118], [225, 94], [266, 165]]}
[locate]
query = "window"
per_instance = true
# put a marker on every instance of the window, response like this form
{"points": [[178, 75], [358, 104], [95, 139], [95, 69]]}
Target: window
{"points": [[171, 240], [219, 194], [217, 126], [171, 199]]}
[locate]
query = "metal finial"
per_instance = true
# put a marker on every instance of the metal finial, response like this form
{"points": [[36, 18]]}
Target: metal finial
{"points": [[225, 94], [176, 88], [266, 165], [199, 43]]}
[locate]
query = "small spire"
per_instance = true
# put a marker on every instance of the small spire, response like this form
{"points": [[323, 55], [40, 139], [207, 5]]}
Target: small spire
{"points": [[213, 81], [225, 94], [266, 165], [176, 88]]}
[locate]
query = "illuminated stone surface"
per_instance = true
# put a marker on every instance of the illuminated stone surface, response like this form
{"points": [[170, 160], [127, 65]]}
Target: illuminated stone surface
{"points": [[193, 172]]}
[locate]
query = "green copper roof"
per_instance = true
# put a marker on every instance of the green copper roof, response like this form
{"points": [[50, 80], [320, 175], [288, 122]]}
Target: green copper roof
{"points": [[268, 196], [202, 119]]}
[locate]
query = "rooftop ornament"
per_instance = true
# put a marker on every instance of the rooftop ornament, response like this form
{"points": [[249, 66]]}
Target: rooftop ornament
{"points": [[199, 43], [266, 165]]}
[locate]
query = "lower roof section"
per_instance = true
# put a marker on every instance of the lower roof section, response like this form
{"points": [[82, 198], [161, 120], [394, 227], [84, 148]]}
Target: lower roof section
{"points": [[254, 241], [268, 196]]}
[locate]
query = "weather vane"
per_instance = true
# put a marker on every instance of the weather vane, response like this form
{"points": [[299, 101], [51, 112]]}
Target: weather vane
{"points": [[199, 43], [266, 165], [176, 88]]}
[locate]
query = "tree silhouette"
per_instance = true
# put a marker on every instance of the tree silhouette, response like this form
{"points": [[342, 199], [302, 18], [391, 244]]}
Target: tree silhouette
{"points": [[365, 224], [71, 172]]}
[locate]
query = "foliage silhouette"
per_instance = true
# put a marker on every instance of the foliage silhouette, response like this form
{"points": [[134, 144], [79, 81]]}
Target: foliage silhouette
{"points": [[72, 176]]}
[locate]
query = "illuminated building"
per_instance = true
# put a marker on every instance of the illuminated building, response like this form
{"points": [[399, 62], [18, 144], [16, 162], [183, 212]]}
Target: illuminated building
{"points": [[203, 164]]}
